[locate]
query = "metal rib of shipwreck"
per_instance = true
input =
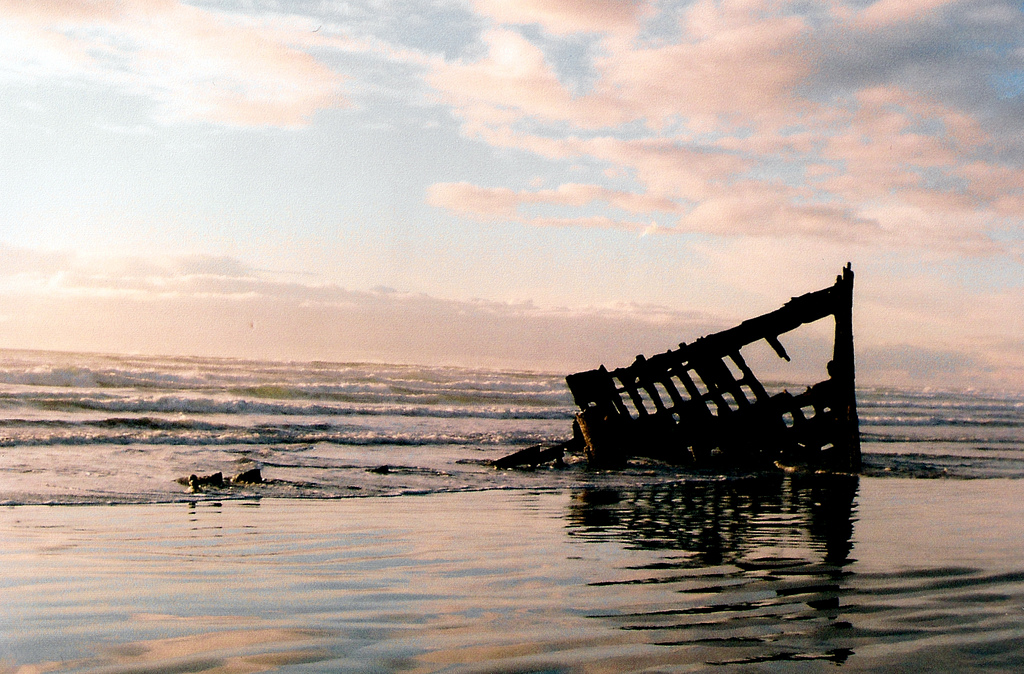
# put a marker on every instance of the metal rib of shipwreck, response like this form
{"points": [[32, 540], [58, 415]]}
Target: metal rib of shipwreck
{"points": [[687, 406]]}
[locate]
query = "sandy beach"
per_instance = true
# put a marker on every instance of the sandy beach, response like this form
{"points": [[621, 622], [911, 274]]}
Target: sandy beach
{"points": [[751, 575]]}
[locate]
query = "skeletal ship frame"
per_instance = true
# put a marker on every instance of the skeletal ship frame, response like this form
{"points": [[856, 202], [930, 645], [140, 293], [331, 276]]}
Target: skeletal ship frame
{"points": [[702, 405]]}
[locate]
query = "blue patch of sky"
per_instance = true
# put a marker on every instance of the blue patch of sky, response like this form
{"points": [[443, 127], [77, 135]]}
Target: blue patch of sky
{"points": [[927, 126], [247, 6], [1010, 232], [440, 27], [776, 169], [447, 29], [820, 198], [623, 180], [372, 77], [676, 126], [116, 50], [1008, 84], [662, 28], [675, 129], [793, 129], [636, 130], [736, 132], [937, 178], [570, 56], [521, 170], [815, 13]]}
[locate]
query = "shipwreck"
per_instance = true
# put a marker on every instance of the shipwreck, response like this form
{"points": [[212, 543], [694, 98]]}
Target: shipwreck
{"points": [[701, 405]]}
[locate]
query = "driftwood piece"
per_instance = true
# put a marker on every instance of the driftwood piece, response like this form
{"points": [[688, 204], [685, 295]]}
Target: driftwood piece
{"points": [[252, 476], [197, 483], [531, 457], [690, 406]]}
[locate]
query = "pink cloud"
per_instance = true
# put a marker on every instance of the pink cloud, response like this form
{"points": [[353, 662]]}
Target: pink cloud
{"points": [[873, 191], [197, 63], [752, 208], [220, 307], [472, 200], [730, 63], [514, 80], [721, 67], [668, 168], [888, 12], [727, 98], [568, 16], [487, 203], [927, 185], [593, 222]]}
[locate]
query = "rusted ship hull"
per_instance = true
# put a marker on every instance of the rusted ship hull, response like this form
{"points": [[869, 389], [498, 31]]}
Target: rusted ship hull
{"points": [[702, 405]]}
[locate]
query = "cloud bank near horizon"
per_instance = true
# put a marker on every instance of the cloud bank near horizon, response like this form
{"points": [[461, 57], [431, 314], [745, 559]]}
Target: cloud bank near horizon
{"points": [[217, 306]]}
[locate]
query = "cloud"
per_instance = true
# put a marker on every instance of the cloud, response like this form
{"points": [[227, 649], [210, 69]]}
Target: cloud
{"points": [[932, 331], [758, 118], [195, 63], [888, 12], [727, 62], [568, 16], [502, 202], [514, 81], [218, 306], [213, 306], [904, 365]]}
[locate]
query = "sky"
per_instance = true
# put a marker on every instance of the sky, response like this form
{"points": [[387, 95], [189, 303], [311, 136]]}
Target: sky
{"points": [[537, 184]]}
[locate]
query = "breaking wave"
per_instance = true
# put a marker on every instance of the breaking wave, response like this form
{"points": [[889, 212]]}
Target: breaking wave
{"points": [[86, 428]]}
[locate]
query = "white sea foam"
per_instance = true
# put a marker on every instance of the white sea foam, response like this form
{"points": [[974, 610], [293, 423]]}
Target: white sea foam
{"points": [[88, 428]]}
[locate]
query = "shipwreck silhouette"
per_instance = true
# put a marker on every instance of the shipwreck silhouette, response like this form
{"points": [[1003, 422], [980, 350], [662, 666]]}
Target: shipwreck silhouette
{"points": [[701, 405]]}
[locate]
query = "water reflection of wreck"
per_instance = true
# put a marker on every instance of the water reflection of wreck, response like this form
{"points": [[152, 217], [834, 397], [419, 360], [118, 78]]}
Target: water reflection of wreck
{"points": [[743, 571], [726, 521], [702, 405]]}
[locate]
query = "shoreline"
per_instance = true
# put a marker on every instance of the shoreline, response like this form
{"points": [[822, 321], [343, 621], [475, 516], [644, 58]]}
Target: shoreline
{"points": [[883, 466]]}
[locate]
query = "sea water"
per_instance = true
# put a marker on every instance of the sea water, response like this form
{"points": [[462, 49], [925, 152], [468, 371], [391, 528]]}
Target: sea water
{"points": [[384, 541], [117, 429]]}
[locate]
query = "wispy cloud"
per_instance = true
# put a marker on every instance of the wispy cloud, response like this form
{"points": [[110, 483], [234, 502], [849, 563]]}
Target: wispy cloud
{"points": [[889, 12], [503, 203], [195, 63], [568, 16]]}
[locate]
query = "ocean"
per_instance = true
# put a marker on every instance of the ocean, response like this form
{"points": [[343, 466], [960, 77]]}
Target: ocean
{"points": [[78, 429], [383, 540]]}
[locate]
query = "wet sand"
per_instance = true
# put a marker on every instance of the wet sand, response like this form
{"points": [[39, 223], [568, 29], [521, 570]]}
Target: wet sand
{"points": [[752, 575]]}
